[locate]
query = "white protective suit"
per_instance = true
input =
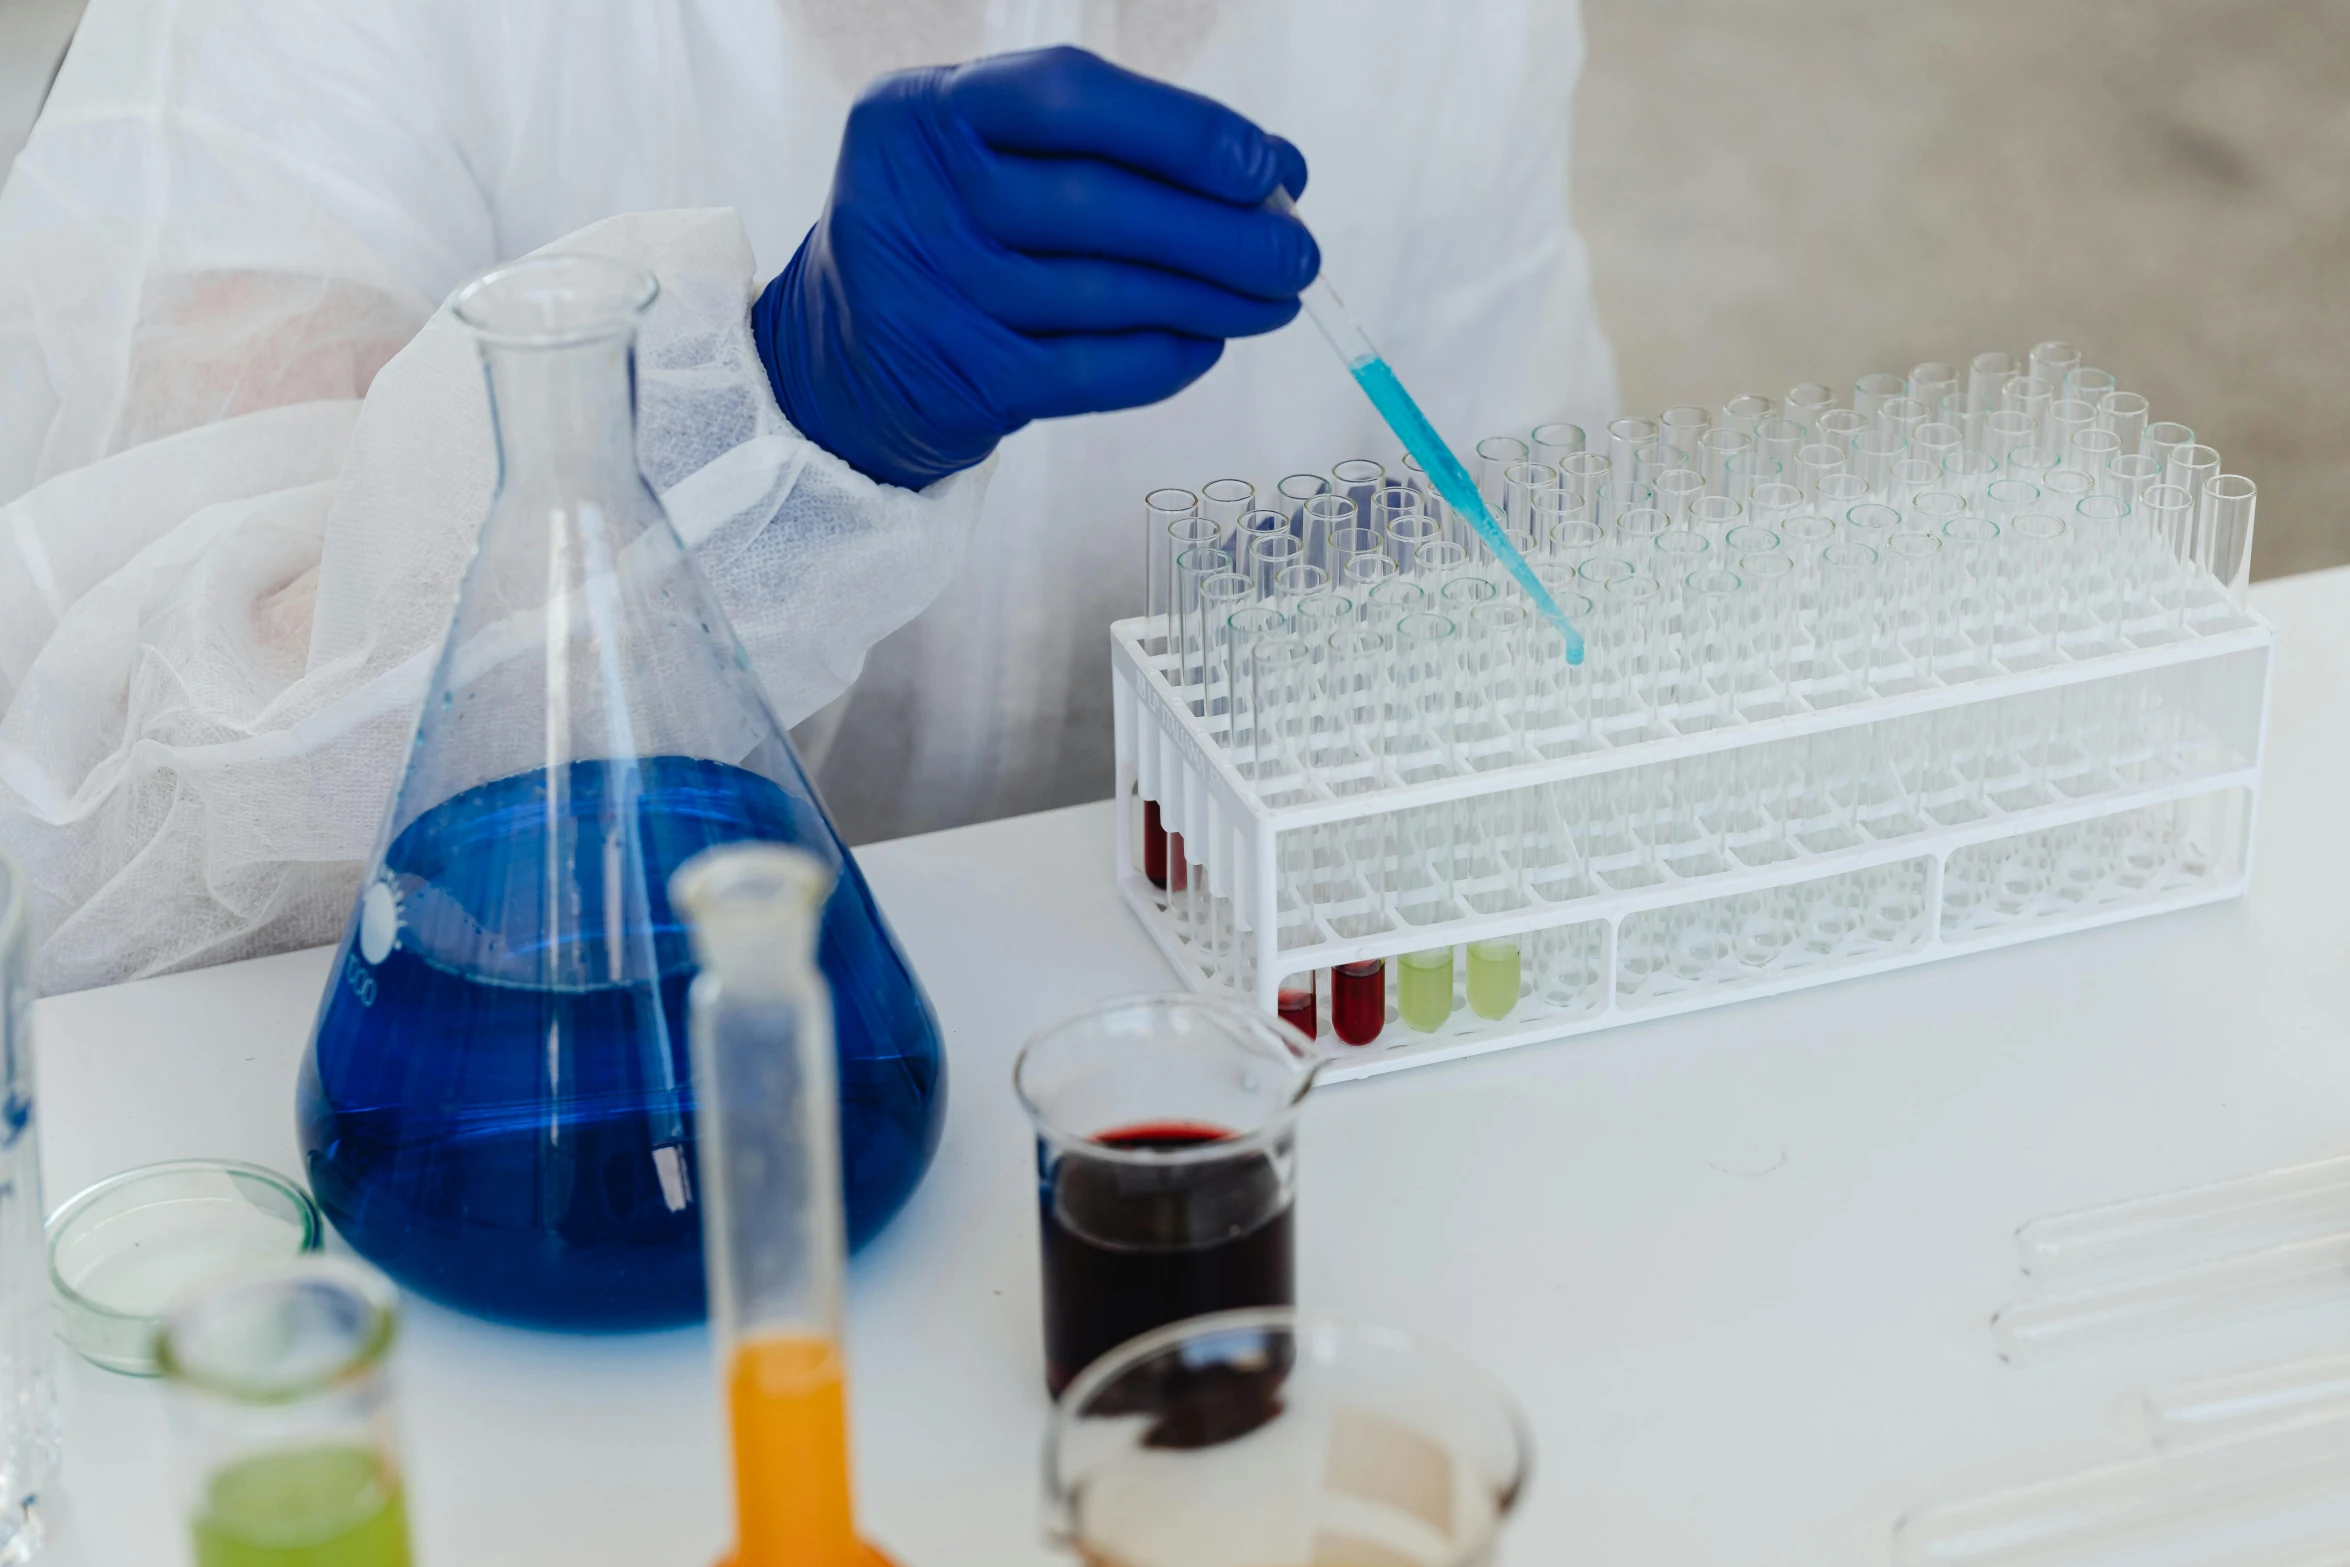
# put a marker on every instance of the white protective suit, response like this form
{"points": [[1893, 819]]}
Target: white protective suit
{"points": [[223, 574]]}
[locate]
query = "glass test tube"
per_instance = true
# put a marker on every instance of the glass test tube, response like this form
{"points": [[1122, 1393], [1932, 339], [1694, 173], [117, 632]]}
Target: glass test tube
{"points": [[1253, 527], [1838, 426], [1806, 401], [1816, 461], [28, 1393], [1219, 597], [1937, 441], [2190, 467], [1193, 567], [2031, 601], [1626, 436], [1244, 628], [1224, 502], [1775, 444], [1581, 476], [1681, 426], [1280, 668], [2007, 429], [1675, 489], [1553, 443], [2161, 439], [1973, 545], [1492, 458], [2087, 383], [1162, 509], [2124, 413], [1871, 391], [1421, 747], [1636, 533], [1294, 491], [2223, 527], [1873, 454], [1407, 533], [1765, 675], [1520, 482], [286, 1426], [1846, 640], [1361, 481], [1934, 384], [1915, 610], [2053, 361], [1748, 409], [1725, 459], [1348, 544], [768, 1172], [1902, 415], [1712, 652]]}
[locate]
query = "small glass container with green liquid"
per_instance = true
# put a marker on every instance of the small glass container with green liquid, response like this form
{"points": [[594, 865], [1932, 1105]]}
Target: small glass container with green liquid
{"points": [[290, 1456], [1423, 988], [1493, 978]]}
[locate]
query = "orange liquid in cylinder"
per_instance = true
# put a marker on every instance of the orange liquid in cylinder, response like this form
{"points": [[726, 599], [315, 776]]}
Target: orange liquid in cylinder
{"points": [[788, 1402]]}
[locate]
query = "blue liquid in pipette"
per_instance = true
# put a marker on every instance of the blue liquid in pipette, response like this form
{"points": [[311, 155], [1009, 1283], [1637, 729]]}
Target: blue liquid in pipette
{"points": [[1452, 481]]}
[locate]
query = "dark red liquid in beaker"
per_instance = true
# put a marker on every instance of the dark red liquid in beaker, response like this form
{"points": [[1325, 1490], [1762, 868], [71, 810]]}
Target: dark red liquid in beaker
{"points": [[1131, 1247], [1358, 1001], [1154, 845], [1297, 1007]]}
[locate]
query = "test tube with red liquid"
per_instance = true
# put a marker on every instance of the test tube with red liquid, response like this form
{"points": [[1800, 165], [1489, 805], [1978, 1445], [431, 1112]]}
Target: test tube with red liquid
{"points": [[1166, 1156], [1358, 1000], [1295, 1001]]}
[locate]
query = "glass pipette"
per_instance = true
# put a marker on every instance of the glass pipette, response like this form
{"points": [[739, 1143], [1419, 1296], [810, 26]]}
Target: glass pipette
{"points": [[1378, 381]]}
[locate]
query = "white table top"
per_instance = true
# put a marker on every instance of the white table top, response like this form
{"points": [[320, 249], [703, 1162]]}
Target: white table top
{"points": [[1738, 1265]]}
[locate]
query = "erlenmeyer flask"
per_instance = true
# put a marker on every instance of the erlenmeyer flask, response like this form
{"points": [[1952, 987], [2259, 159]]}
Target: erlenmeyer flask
{"points": [[497, 1106]]}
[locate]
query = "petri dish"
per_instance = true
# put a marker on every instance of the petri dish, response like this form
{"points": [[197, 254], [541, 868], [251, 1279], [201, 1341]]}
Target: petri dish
{"points": [[123, 1252]]}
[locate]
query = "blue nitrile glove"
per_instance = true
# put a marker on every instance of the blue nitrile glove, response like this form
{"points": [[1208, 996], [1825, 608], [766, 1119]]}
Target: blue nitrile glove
{"points": [[1022, 237]]}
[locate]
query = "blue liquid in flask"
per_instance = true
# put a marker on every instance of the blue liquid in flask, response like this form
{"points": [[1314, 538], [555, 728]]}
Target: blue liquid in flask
{"points": [[525, 1152]]}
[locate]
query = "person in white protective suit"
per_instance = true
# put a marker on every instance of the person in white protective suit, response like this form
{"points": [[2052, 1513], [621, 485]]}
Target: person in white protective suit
{"points": [[242, 459]]}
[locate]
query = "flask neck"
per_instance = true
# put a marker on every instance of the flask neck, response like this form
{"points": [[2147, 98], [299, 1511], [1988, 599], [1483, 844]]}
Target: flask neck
{"points": [[565, 415]]}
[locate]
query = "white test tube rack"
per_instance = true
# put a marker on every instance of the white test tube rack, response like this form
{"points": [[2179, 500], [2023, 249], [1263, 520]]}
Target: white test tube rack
{"points": [[1178, 757]]}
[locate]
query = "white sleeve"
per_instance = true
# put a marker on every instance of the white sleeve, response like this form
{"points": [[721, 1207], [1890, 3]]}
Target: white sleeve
{"points": [[227, 205], [196, 762]]}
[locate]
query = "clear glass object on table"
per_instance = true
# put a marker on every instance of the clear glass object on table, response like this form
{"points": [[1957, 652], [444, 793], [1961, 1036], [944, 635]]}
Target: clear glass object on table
{"points": [[768, 1166], [28, 1352], [287, 1435], [496, 1106], [1166, 1164], [1281, 1440]]}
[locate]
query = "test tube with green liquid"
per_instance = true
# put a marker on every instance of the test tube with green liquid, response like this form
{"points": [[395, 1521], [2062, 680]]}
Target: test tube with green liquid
{"points": [[289, 1453], [1494, 971], [1423, 988]]}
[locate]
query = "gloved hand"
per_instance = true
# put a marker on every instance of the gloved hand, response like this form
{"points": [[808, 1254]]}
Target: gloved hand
{"points": [[1025, 236]]}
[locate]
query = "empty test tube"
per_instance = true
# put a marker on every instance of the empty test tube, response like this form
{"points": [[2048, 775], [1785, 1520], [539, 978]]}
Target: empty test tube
{"points": [[1682, 425], [2086, 382], [2223, 529], [1675, 489], [2124, 413], [1725, 460], [1775, 443], [1581, 475], [1491, 461], [1748, 409], [1553, 443], [1805, 402], [1626, 436], [2053, 361], [1934, 384], [1838, 426], [1816, 461], [1361, 481], [1871, 391], [2161, 439]]}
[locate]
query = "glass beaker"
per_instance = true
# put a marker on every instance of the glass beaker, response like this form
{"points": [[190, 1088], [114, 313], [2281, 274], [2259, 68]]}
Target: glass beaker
{"points": [[768, 1165], [1166, 1163], [497, 1107], [1279, 1440], [289, 1450], [28, 1389]]}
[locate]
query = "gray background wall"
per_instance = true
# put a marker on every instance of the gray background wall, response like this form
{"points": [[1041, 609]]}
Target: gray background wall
{"points": [[1777, 191]]}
